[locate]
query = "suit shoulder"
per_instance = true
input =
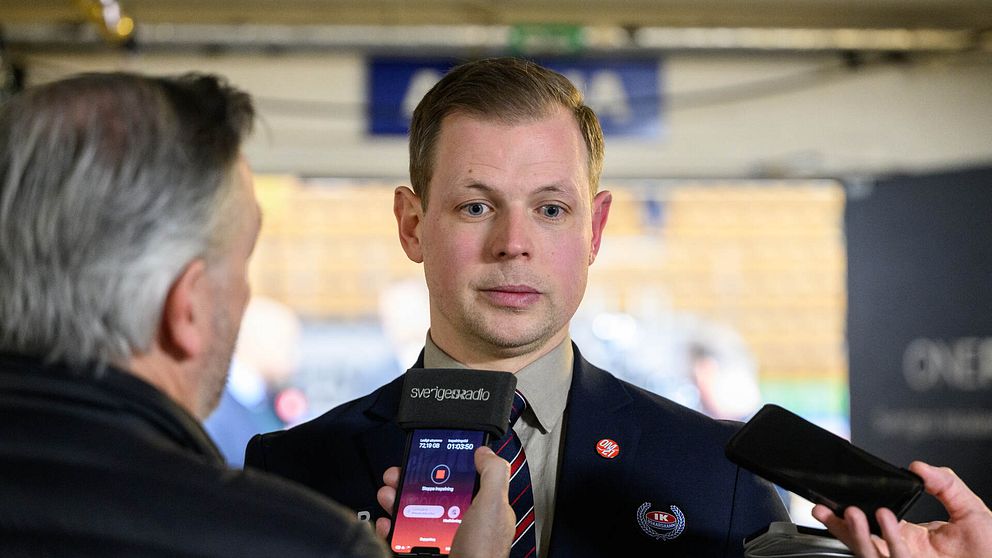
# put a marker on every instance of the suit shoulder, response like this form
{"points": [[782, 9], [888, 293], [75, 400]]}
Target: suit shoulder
{"points": [[279, 450], [350, 417], [656, 412], [306, 521]]}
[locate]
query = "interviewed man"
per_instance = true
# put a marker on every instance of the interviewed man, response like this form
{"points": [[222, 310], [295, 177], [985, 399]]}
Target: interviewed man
{"points": [[127, 218], [505, 215]]}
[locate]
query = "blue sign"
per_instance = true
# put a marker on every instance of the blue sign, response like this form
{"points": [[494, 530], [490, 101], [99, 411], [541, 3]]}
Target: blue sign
{"points": [[625, 94]]}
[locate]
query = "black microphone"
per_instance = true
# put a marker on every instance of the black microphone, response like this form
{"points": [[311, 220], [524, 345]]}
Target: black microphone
{"points": [[457, 398]]}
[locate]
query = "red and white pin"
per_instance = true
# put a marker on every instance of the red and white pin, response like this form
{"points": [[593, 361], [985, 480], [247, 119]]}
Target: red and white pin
{"points": [[607, 448]]}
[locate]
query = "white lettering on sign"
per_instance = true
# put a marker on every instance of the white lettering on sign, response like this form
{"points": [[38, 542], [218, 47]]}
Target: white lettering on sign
{"points": [[420, 84], [933, 424], [441, 394], [963, 364], [605, 94]]}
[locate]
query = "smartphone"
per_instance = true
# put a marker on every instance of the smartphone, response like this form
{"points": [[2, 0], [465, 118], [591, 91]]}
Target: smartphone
{"points": [[820, 466], [437, 483]]}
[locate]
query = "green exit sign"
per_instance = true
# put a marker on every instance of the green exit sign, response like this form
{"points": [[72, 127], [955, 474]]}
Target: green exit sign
{"points": [[539, 38]]}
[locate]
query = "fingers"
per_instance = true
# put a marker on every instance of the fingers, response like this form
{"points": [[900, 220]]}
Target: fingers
{"points": [[892, 533], [949, 489], [835, 524], [386, 496], [391, 477], [826, 516], [863, 543], [382, 527], [852, 529]]}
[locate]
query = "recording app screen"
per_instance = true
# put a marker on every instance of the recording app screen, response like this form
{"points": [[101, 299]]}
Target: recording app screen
{"points": [[438, 481]]}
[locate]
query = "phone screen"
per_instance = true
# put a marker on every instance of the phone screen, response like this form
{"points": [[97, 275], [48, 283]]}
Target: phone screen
{"points": [[438, 483]]}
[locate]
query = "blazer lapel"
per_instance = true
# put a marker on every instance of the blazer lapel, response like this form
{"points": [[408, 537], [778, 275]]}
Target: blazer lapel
{"points": [[599, 408], [382, 445]]}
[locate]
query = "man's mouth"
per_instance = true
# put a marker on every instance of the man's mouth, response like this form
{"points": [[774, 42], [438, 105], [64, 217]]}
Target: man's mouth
{"points": [[512, 296]]}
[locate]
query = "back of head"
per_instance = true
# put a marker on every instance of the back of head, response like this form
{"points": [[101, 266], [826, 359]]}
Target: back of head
{"points": [[110, 184], [507, 90]]}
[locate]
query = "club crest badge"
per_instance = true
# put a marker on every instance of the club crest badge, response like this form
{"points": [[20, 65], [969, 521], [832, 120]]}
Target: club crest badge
{"points": [[662, 526]]}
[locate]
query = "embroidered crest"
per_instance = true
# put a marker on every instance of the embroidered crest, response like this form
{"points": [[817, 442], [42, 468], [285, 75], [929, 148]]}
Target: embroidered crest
{"points": [[662, 526]]}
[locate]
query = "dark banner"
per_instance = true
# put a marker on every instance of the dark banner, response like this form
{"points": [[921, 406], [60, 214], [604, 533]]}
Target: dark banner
{"points": [[920, 324]]}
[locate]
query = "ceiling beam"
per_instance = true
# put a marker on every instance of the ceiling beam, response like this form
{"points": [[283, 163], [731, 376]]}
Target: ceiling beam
{"points": [[909, 14]]}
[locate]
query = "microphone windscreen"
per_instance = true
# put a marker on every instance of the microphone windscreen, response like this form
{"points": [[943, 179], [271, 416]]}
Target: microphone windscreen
{"points": [[461, 399]]}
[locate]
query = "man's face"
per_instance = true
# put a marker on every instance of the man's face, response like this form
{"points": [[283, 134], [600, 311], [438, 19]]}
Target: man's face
{"points": [[508, 235], [229, 284]]}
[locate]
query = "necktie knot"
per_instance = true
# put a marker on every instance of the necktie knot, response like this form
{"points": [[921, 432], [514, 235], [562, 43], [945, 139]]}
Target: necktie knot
{"points": [[519, 405]]}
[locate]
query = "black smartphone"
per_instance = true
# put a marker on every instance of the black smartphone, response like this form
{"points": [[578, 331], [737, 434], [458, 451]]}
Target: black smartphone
{"points": [[820, 466], [437, 483]]}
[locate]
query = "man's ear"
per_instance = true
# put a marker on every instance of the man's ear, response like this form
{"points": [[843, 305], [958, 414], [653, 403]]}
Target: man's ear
{"points": [[409, 215], [600, 213], [185, 314]]}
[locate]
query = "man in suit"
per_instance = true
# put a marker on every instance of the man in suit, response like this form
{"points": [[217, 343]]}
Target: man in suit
{"points": [[127, 217], [505, 216]]}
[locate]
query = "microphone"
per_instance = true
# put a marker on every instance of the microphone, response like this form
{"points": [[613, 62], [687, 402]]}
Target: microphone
{"points": [[457, 398]]}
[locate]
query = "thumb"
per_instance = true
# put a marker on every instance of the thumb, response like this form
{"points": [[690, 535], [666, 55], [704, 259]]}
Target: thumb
{"points": [[949, 489], [494, 476], [487, 528]]}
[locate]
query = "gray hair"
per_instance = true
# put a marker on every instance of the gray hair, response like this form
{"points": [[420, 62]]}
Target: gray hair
{"points": [[110, 185]]}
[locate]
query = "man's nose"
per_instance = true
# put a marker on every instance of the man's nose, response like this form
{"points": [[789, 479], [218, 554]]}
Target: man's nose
{"points": [[511, 235]]}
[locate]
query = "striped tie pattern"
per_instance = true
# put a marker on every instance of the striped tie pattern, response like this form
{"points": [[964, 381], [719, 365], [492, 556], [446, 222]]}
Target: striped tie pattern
{"points": [[521, 493]]}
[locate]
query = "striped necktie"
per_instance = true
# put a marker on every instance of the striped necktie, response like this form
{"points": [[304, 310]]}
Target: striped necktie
{"points": [[521, 493]]}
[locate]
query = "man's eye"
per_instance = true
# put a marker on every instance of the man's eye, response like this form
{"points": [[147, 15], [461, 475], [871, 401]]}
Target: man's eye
{"points": [[475, 209], [552, 211]]}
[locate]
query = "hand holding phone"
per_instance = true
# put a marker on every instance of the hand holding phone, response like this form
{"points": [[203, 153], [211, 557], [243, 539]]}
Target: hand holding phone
{"points": [[437, 483], [448, 414], [967, 533], [488, 524], [820, 466]]}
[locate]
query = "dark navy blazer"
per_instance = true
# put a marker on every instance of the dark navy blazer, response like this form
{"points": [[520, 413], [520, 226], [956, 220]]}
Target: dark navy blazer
{"points": [[669, 456]]}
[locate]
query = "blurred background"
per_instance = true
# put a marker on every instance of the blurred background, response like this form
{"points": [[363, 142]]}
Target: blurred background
{"points": [[801, 194]]}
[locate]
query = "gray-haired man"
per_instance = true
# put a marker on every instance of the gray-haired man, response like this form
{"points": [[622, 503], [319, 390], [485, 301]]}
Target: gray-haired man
{"points": [[127, 217]]}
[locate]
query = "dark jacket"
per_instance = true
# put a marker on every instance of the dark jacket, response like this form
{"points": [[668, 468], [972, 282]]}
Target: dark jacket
{"points": [[110, 466], [669, 456]]}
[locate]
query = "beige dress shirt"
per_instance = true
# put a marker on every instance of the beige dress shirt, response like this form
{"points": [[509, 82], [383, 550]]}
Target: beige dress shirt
{"points": [[545, 384]]}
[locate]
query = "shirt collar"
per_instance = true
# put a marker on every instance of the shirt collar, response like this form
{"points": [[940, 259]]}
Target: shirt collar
{"points": [[544, 382]]}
